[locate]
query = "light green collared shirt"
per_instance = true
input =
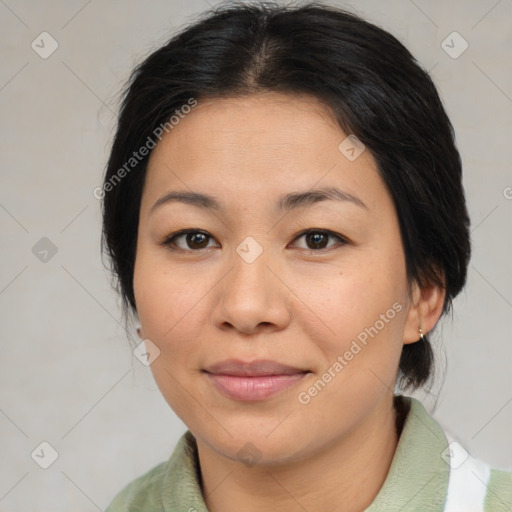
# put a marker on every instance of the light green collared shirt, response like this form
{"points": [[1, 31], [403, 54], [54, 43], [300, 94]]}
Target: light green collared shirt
{"points": [[430, 472]]}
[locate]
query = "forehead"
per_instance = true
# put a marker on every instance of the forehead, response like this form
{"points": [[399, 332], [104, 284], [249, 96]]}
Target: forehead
{"points": [[236, 125], [257, 144]]}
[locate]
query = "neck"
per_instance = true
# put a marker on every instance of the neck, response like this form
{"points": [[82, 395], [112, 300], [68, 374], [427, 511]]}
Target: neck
{"points": [[345, 476]]}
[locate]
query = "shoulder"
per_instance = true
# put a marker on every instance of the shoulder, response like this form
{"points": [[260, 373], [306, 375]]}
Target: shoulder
{"points": [[143, 493], [475, 484], [167, 486], [499, 491], [464, 481]]}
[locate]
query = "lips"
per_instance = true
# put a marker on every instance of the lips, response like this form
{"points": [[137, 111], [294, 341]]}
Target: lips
{"points": [[258, 368], [253, 381]]}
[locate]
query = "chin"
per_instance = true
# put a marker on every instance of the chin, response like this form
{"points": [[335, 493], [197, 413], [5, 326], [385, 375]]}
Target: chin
{"points": [[254, 443]]}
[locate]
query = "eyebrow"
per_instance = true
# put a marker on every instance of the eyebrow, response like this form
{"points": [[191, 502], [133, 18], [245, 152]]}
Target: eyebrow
{"points": [[287, 202]]}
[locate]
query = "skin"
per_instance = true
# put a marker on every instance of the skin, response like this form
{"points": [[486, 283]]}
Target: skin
{"points": [[295, 304]]}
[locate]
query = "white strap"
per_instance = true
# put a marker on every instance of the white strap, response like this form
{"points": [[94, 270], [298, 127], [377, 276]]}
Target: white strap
{"points": [[468, 481]]}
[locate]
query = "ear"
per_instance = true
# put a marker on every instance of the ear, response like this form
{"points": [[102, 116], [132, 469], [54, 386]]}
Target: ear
{"points": [[425, 310]]}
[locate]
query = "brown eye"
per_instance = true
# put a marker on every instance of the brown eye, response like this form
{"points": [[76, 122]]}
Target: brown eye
{"points": [[196, 240], [318, 239], [193, 240]]}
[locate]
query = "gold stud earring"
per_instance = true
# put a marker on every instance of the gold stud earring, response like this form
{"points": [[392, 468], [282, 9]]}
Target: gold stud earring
{"points": [[421, 334]]}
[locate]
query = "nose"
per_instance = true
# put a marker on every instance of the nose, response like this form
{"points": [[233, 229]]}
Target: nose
{"points": [[252, 296]]}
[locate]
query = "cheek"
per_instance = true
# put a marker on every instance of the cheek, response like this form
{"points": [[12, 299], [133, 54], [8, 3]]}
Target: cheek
{"points": [[368, 291], [365, 307], [168, 300], [170, 311], [358, 343]]}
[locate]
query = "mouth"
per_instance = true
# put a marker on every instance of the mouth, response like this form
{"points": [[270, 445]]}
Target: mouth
{"points": [[253, 381]]}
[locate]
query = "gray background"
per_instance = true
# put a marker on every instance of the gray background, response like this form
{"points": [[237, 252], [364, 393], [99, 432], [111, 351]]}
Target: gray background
{"points": [[67, 374]]}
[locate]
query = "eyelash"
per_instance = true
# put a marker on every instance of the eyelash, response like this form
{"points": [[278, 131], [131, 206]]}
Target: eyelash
{"points": [[169, 241]]}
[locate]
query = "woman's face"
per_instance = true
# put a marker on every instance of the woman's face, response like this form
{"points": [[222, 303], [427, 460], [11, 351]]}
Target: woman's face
{"points": [[262, 280]]}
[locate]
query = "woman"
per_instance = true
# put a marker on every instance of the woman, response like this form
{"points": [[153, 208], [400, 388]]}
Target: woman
{"points": [[284, 214]]}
